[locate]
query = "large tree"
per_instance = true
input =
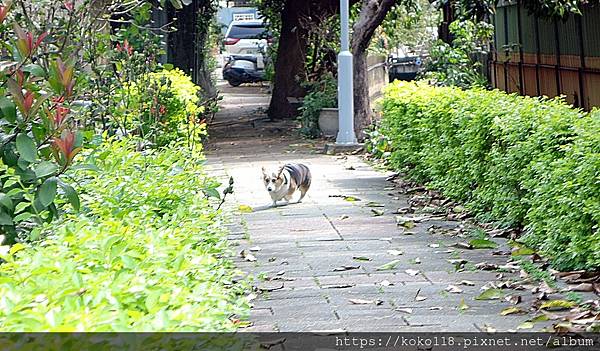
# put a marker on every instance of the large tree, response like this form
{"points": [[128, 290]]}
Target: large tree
{"points": [[290, 70], [372, 13]]}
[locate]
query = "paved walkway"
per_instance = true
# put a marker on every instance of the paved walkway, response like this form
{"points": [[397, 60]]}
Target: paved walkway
{"points": [[382, 262]]}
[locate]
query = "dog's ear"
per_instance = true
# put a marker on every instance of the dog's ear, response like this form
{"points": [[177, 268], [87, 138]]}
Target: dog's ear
{"points": [[264, 172], [280, 171]]}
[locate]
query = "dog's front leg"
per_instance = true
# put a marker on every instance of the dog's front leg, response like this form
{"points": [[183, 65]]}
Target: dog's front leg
{"points": [[274, 203]]}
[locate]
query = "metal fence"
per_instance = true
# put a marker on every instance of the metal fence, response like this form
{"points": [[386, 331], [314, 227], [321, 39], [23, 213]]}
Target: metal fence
{"points": [[534, 56]]}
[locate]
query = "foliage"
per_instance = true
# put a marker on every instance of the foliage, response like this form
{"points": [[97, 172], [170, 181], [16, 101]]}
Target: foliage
{"points": [[161, 107], [556, 8], [147, 252], [321, 94], [520, 161], [409, 26], [455, 64], [38, 139]]}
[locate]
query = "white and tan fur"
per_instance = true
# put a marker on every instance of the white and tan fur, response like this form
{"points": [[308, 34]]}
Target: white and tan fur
{"points": [[283, 183]]}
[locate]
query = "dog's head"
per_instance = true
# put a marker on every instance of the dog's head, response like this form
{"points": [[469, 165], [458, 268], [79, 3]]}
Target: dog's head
{"points": [[273, 180]]}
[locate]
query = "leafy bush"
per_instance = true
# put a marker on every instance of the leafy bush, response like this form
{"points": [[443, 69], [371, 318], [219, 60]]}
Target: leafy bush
{"points": [[147, 252], [516, 160], [321, 94], [38, 139], [162, 107], [455, 65]]}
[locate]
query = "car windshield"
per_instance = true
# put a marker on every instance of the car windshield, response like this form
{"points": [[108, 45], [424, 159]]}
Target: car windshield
{"points": [[248, 31]]}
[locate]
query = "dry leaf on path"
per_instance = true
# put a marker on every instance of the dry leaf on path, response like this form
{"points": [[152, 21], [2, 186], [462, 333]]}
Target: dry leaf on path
{"points": [[377, 212], [388, 266], [419, 297], [453, 289], [395, 252], [512, 310], [365, 302], [345, 268], [247, 256]]}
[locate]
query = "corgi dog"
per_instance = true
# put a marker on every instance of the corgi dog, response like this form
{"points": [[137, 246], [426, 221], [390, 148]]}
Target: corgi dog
{"points": [[283, 183]]}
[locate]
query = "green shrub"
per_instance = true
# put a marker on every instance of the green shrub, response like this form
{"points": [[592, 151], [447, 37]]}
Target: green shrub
{"points": [[146, 252], [321, 94], [162, 107], [519, 161]]}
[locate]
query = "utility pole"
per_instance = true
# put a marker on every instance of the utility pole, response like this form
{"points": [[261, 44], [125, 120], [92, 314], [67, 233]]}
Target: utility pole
{"points": [[346, 134]]}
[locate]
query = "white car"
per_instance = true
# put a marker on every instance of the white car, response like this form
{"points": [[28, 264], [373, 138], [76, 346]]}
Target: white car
{"points": [[246, 38]]}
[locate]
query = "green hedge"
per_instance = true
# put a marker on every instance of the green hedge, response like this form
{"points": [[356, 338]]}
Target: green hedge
{"points": [[520, 161], [147, 252]]}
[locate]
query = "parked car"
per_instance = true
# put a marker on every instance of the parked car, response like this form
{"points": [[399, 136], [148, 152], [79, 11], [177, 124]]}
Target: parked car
{"points": [[404, 68], [246, 38]]}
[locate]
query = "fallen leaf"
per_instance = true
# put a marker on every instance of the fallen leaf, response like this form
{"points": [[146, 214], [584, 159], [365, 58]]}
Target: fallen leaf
{"points": [[420, 298], [556, 305], [388, 266], [488, 328], [405, 310], [377, 212], [255, 248], [511, 310], [463, 305], [245, 209], [436, 308], [344, 217], [490, 294], [395, 252], [374, 204], [345, 268], [462, 245], [351, 198], [583, 287], [467, 283], [385, 283], [247, 256], [435, 246], [484, 266], [405, 222], [417, 260], [458, 209], [525, 325], [270, 287], [361, 258], [337, 286], [482, 244], [539, 318], [522, 251], [514, 299], [453, 289], [412, 272], [365, 302], [545, 288], [280, 273]]}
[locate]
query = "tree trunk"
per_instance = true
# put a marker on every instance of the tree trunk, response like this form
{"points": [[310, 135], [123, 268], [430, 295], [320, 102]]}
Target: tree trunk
{"points": [[290, 69], [289, 66], [372, 13], [447, 18], [186, 46]]}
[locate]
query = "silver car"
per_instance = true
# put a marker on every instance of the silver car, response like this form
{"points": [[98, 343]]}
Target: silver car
{"points": [[246, 38]]}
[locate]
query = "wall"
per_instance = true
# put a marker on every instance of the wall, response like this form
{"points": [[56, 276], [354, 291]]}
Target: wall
{"points": [[378, 77]]}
